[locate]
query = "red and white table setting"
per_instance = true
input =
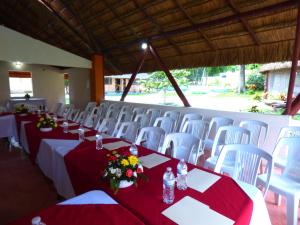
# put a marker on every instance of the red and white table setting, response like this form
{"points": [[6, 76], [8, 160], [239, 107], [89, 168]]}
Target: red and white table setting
{"points": [[91, 208]]}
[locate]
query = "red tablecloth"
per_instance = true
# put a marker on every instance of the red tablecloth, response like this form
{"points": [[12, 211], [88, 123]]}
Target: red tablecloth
{"points": [[29, 117], [85, 165], [5, 113], [34, 137], [90, 214]]}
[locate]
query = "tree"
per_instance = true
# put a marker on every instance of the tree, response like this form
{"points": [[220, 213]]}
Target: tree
{"points": [[242, 79]]}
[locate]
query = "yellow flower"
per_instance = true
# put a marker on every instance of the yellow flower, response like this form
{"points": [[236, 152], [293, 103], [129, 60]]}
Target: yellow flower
{"points": [[133, 160], [124, 162]]}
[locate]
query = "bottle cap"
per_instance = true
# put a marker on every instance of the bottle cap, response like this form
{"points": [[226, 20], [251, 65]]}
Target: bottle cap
{"points": [[36, 220], [181, 160], [169, 169]]}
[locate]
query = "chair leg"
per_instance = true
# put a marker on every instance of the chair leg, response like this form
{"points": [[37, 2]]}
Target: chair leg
{"points": [[292, 210], [277, 199]]}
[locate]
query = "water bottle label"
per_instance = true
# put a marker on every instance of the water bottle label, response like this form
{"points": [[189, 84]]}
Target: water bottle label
{"points": [[182, 172], [169, 183]]}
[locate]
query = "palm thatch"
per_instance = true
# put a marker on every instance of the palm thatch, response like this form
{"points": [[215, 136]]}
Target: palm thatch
{"points": [[186, 33]]}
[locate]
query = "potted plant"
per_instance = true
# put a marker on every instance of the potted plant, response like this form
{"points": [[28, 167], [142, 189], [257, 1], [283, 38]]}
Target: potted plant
{"points": [[46, 124], [123, 170], [27, 96], [22, 110]]}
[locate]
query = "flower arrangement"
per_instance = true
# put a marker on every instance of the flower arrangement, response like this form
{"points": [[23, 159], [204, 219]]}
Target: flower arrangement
{"points": [[27, 96], [46, 122], [21, 109], [120, 168]]}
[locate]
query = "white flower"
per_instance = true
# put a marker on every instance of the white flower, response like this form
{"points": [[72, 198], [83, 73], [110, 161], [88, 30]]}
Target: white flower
{"points": [[134, 174], [105, 174], [112, 170], [119, 172], [141, 167]]}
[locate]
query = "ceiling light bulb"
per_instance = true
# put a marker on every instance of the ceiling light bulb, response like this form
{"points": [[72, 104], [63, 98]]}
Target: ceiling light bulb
{"points": [[144, 45], [18, 64]]}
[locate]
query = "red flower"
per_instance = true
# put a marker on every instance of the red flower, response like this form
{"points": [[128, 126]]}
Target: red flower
{"points": [[112, 158], [139, 170], [129, 173]]}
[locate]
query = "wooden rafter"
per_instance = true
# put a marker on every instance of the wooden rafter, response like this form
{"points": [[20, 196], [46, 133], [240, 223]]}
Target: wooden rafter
{"points": [[160, 29], [244, 22], [192, 22]]}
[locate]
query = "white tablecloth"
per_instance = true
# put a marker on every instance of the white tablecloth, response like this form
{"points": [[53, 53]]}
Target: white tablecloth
{"points": [[23, 136], [8, 127]]}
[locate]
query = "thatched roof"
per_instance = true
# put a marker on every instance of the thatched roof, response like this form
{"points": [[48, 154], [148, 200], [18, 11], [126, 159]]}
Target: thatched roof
{"points": [[228, 31], [276, 66]]}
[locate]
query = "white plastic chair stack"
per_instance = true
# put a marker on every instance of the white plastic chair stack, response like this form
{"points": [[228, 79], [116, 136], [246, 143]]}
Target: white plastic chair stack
{"points": [[154, 113], [107, 126], [91, 117], [128, 131], [166, 123], [151, 137], [281, 157], [124, 116], [247, 163], [142, 119], [136, 111], [113, 110], [214, 125], [258, 129], [227, 135], [188, 117], [287, 183], [173, 115], [183, 146]]}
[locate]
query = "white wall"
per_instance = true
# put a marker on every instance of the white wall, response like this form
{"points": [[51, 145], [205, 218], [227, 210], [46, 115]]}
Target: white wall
{"points": [[79, 80], [275, 122], [47, 82], [19, 47]]}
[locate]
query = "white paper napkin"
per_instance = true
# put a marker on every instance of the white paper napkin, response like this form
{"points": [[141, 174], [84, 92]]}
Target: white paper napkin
{"points": [[76, 131], [201, 180], [152, 160], [115, 145], [189, 211]]}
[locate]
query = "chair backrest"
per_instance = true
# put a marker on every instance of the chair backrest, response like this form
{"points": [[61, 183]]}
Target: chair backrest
{"points": [[89, 107], [128, 131], [150, 137], [142, 119], [154, 113], [290, 131], [124, 116], [126, 108], [166, 123], [183, 145], [196, 128], [73, 114], [173, 115], [136, 111], [227, 135], [215, 124], [188, 117], [291, 147], [258, 129], [247, 163], [107, 125], [80, 118], [91, 117], [113, 110]]}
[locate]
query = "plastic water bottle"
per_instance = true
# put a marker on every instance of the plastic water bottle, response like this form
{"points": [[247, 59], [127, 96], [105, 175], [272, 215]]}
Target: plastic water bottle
{"points": [[182, 175], [168, 186], [99, 144], [65, 126], [37, 221], [133, 150], [81, 134]]}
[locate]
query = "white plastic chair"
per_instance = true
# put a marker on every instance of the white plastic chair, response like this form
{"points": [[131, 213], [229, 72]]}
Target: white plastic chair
{"points": [[247, 163], [154, 113], [136, 111], [107, 126], [73, 114], [91, 117], [166, 123], [89, 107], [188, 117], [80, 118], [151, 137], [124, 116], [173, 115], [288, 183], [281, 158], [183, 146], [113, 110], [57, 108], [214, 125], [126, 108], [227, 135], [258, 129], [142, 119], [128, 131]]}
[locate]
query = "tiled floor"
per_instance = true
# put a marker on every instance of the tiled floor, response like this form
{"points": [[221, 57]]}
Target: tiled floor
{"points": [[23, 189]]}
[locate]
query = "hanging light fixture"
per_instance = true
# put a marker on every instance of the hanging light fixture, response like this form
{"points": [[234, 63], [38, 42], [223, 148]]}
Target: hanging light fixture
{"points": [[144, 45]]}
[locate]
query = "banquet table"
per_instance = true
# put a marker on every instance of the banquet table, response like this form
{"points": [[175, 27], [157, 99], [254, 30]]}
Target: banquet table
{"points": [[8, 126], [32, 101], [91, 208]]}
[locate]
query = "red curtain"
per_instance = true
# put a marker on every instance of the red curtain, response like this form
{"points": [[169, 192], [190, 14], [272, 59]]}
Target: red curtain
{"points": [[19, 74]]}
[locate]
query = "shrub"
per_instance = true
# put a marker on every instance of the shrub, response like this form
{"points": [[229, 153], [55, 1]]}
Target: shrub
{"points": [[254, 109], [257, 81], [257, 97]]}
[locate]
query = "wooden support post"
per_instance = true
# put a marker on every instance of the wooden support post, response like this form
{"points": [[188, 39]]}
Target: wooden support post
{"points": [[295, 105], [169, 75], [97, 78], [294, 67], [132, 78]]}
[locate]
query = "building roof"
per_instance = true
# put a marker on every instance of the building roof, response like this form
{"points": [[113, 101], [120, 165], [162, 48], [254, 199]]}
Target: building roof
{"points": [[276, 66], [186, 33]]}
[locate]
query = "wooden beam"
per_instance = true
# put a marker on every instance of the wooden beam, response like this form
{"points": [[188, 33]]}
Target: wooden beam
{"points": [[133, 76], [169, 75], [244, 22], [295, 106], [294, 68], [97, 78]]}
